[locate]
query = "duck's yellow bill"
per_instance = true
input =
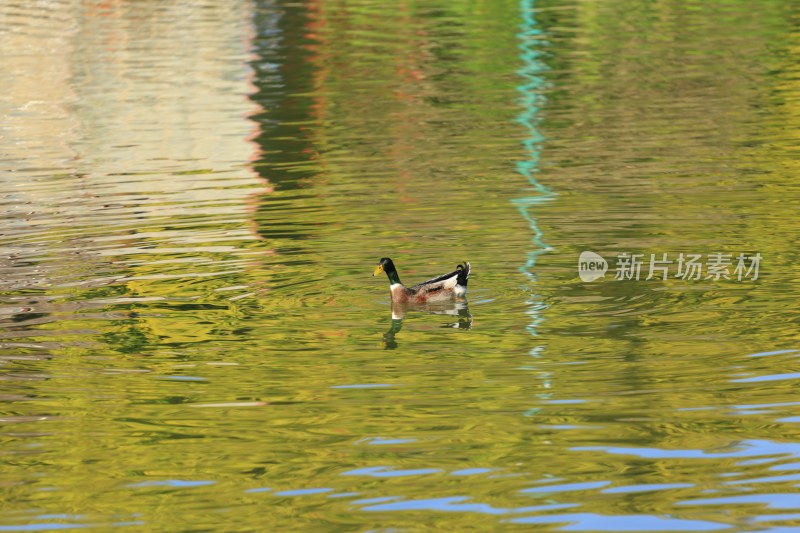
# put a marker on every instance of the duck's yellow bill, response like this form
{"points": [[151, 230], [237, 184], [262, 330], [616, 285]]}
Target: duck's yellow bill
{"points": [[378, 270]]}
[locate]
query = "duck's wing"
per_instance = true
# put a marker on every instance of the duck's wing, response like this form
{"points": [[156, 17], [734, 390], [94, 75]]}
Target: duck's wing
{"points": [[447, 281]]}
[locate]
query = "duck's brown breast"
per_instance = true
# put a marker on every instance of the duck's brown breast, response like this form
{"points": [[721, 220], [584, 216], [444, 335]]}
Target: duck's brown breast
{"points": [[399, 293]]}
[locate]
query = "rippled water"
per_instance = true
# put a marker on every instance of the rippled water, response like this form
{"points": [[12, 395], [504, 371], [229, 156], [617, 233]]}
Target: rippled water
{"points": [[193, 196]]}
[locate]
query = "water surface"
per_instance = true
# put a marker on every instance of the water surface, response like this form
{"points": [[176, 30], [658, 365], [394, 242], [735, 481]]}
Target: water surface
{"points": [[194, 195]]}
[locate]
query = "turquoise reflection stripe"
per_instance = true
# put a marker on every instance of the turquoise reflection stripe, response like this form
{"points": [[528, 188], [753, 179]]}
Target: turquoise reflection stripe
{"points": [[532, 101]]}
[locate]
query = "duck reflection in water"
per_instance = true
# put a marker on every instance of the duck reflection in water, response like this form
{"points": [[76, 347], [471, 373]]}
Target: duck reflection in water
{"points": [[458, 310]]}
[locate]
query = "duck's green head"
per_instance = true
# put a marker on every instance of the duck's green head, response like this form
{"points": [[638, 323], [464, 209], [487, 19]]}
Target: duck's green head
{"points": [[386, 265]]}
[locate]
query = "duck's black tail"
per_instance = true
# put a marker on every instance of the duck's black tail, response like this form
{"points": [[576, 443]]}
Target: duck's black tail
{"points": [[463, 273]]}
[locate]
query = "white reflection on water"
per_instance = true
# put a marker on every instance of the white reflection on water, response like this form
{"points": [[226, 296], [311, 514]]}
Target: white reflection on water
{"points": [[107, 139]]}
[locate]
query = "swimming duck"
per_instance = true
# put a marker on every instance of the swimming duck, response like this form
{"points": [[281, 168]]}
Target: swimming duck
{"points": [[447, 287]]}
